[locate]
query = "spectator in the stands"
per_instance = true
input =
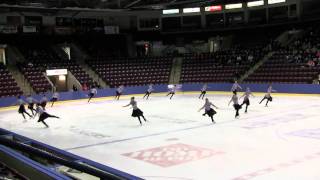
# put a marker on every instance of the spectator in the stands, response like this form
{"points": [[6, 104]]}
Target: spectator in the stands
{"points": [[250, 58], [318, 54], [311, 63], [84, 87], [74, 88]]}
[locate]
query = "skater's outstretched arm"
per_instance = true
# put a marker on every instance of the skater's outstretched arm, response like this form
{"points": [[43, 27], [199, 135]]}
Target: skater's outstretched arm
{"points": [[242, 96], [127, 105], [230, 101], [214, 106], [201, 108]]}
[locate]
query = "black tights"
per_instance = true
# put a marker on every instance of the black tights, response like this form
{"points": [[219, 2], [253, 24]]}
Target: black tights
{"points": [[147, 95], [246, 107], [265, 98], [145, 120], [202, 94], [209, 116], [55, 101], [171, 94], [88, 99], [32, 110], [237, 112], [43, 117], [25, 112]]}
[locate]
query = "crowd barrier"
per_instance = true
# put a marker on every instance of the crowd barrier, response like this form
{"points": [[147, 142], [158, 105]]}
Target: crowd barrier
{"points": [[35, 170], [281, 88]]}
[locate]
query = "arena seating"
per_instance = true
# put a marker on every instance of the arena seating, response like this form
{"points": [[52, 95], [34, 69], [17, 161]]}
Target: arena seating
{"points": [[221, 66], [8, 86], [297, 63], [41, 59], [282, 70], [133, 71], [35, 76]]}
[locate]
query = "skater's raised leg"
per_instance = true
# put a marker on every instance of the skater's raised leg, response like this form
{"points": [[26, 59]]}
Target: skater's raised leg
{"points": [[144, 118], [264, 98]]}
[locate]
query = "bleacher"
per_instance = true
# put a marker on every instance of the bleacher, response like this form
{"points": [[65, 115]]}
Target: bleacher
{"points": [[133, 71], [42, 58], [298, 63], [8, 86], [221, 66]]}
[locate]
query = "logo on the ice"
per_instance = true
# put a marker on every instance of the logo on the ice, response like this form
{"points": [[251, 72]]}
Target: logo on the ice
{"points": [[171, 155]]}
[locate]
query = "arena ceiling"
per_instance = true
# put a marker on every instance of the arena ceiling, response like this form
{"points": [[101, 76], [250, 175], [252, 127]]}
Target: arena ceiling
{"points": [[111, 4]]}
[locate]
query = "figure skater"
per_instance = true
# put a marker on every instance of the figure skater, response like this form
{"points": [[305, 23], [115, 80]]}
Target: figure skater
{"points": [[136, 111], [54, 98], [203, 91], [31, 101], [119, 92], [235, 87], [268, 96], [92, 92], [149, 91], [43, 101], [236, 105], [208, 110], [43, 115], [172, 91], [246, 100], [22, 109]]}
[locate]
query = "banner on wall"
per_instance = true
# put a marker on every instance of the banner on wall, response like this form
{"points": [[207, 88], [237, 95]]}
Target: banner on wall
{"points": [[29, 29], [57, 72], [178, 87], [111, 29], [8, 29]]}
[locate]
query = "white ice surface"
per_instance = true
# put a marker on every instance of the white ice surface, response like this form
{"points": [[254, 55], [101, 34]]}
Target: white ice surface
{"points": [[258, 145]]}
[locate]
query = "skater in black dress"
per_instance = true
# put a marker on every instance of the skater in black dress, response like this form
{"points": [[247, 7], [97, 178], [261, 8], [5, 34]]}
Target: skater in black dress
{"points": [[31, 101], [172, 91], [54, 98], [268, 96], [136, 111], [149, 91], [43, 101], [246, 100], [208, 110], [119, 92], [236, 105], [43, 115], [22, 109], [93, 91], [235, 87], [203, 91]]}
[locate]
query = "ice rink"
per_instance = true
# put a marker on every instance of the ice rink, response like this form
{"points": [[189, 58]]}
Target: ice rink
{"points": [[279, 142]]}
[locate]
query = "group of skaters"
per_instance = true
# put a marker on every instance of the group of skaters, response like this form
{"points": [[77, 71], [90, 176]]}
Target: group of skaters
{"points": [[40, 108], [208, 106]]}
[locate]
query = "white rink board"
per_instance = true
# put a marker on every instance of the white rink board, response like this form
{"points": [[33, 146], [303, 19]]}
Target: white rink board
{"points": [[281, 141]]}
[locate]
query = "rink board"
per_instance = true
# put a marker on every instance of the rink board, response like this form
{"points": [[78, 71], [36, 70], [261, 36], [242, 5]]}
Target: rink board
{"points": [[303, 89], [276, 142]]}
